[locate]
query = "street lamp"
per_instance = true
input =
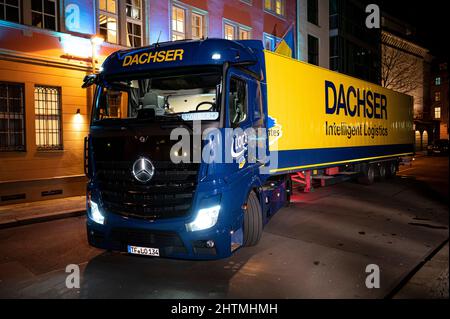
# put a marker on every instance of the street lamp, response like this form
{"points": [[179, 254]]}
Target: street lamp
{"points": [[95, 41]]}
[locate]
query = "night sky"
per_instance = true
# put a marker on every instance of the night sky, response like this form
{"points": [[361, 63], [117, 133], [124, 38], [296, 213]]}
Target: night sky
{"points": [[431, 18]]}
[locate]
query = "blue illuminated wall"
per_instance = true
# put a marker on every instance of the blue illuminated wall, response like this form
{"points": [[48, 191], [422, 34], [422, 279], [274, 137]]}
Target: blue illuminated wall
{"points": [[80, 16]]}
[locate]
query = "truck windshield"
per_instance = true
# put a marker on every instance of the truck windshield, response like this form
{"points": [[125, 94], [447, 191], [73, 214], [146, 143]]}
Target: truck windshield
{"points": [[187, 97]]}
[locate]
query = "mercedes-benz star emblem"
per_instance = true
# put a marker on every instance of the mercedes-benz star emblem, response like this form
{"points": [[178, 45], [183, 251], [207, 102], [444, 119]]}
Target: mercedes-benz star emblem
{"points": [[143, 170]]}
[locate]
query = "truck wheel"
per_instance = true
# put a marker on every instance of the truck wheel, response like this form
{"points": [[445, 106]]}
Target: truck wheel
{"points": [[367, 175], [382, 172], [391, 169], [253, 225]]}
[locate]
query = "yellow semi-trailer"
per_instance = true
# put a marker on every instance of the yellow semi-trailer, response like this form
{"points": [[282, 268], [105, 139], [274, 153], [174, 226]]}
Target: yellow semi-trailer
{"points": [[320, 119]]}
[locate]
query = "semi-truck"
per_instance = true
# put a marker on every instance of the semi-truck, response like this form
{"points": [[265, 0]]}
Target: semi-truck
{"points": [[148, 195]]}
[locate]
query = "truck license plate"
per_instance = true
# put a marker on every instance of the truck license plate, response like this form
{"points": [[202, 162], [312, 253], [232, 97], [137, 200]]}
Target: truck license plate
{"points": [[143, 251]]}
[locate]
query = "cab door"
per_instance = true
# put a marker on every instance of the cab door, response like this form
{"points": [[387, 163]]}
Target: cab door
{"points": [[243, 111]]}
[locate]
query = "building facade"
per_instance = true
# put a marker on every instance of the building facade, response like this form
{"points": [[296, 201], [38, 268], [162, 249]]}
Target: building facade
{"points": [[313, 32], [45, 52], [440, 97], [46, 49], [266, 20], [355, 50], [406, 68]]}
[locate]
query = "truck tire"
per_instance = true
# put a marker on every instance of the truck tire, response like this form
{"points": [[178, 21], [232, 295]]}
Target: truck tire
{"points": [[391, 169], [367, 175], [382, 172], [253, 224]]}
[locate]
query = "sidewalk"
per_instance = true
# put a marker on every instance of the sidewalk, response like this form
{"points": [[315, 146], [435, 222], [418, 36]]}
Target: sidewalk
{"points": [[27, 213], [431, 281]]}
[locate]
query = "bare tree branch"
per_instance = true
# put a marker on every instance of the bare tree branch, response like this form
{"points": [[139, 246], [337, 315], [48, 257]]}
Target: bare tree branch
{"points": [[400, 70]]}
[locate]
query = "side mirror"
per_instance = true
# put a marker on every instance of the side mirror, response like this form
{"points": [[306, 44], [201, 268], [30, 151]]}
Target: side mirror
{"points": [[89, 80]]}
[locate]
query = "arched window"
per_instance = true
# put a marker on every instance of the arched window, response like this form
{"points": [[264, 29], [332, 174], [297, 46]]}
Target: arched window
{"points": [[424, 140], [418, 141]]}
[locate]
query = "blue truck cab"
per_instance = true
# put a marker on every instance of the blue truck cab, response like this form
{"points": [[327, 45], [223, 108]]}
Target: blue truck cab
{"points": [[145, 198]]}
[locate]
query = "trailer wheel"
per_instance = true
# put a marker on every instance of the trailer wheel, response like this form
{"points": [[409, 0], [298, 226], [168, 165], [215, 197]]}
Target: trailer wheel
{"points": [[382, 172], [253, 224], [391, 169], [367, 175]]}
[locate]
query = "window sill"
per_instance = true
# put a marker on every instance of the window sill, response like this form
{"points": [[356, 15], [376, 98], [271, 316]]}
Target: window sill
{"points": [[249, 3], [117, 45], [314, 24], [279, 16], [12, 151], [30, 28], [43, 151]]}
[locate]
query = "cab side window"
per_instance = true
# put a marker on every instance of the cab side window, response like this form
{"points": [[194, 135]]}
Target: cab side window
{"points": [[237, 101]]}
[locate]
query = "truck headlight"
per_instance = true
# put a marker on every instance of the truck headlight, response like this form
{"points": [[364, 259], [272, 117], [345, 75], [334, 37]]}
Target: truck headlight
{"points": [[206, 218], [95, 214]]}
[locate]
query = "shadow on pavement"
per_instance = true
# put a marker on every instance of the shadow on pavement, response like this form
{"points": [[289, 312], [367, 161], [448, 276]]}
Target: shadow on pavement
{"points": [[426, 190], [117, 275]]}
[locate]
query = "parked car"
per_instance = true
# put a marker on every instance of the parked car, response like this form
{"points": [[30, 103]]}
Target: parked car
{"points": [[439, 147]]}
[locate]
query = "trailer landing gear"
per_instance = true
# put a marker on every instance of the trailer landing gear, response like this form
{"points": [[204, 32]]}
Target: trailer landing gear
{"points": [[305, 179]]}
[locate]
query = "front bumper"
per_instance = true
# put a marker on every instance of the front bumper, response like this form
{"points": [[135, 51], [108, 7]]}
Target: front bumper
{"points": [[170, 237]]}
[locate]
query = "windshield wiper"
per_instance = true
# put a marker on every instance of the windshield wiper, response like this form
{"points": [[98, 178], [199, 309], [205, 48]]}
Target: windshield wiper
{"points": [[107, 120], [159, 118], [168, 117]]}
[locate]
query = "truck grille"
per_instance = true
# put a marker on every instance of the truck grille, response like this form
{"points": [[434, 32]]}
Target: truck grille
{"points": [[168, 194]]}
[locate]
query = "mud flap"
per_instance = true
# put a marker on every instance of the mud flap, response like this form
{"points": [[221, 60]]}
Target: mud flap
{"points": [[237, 239]]}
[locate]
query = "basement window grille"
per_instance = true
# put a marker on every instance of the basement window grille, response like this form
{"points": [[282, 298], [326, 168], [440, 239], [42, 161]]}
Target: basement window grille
{"points": [[12, 117], [47, 101], [7, 198]]}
